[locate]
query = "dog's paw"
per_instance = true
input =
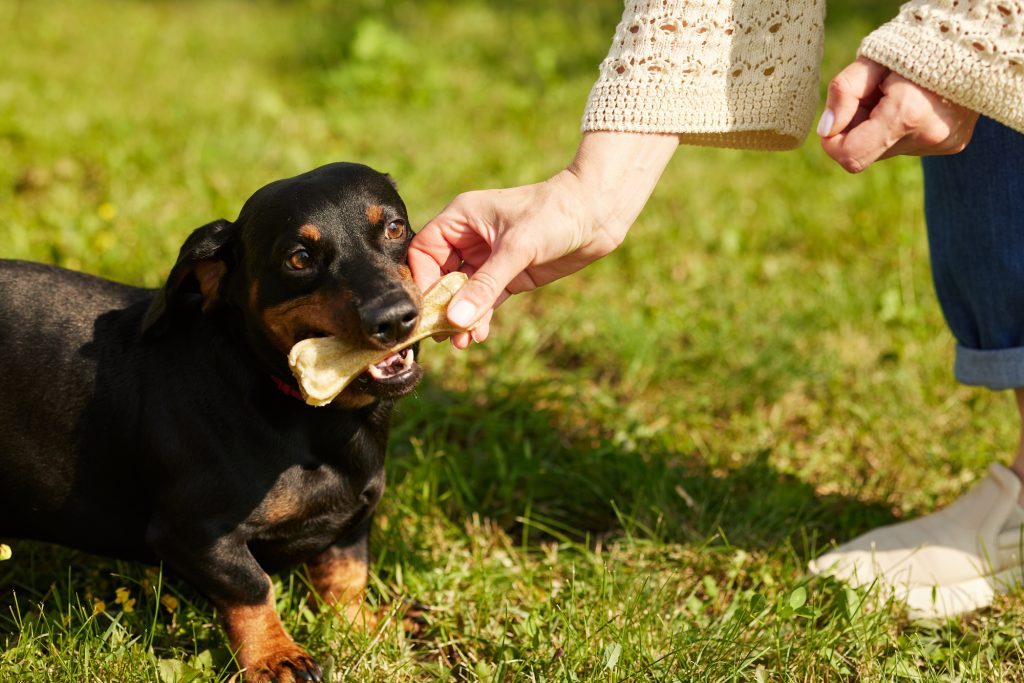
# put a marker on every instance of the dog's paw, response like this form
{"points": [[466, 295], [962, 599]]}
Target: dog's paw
{"points": [[293, 665]]}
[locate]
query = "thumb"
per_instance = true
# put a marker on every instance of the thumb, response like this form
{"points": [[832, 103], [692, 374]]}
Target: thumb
{"points": [[846, 92], [486, 288]]}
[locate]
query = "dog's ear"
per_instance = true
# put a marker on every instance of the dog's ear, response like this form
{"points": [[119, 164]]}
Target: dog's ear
{"points": [[204, 260]]}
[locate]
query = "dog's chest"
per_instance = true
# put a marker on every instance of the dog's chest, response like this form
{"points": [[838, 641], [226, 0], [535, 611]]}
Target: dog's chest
{"points": [[319, 501]]}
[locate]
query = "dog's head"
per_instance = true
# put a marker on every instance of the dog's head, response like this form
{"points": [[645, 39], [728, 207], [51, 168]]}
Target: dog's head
{"points": [[320, 254]]}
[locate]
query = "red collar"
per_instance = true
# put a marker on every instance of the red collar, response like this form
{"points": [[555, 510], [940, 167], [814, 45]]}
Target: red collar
{"points": [[286, 388]]}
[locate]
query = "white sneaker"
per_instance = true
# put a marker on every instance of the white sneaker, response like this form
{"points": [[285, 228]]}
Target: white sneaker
{"points": [[946, 563]]}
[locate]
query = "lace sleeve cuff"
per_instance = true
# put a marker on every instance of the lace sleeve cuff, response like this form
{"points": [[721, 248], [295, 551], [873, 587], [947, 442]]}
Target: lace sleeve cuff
{"points": [[970, 51], [724, 74]]}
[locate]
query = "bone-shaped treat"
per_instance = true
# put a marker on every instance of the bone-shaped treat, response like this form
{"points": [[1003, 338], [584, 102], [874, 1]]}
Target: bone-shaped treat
{"points": [[324, 366]]}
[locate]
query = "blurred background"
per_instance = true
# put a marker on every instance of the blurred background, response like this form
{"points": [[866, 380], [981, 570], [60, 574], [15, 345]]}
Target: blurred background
{"points": [[637, 465]]}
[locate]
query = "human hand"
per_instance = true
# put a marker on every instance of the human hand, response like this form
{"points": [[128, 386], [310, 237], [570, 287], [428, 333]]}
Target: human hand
{"points": [[514, 240], [873, 113], [510, 241]]}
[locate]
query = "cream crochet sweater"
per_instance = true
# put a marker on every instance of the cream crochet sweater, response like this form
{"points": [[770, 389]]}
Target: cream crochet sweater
{"points": [[744, 73]]}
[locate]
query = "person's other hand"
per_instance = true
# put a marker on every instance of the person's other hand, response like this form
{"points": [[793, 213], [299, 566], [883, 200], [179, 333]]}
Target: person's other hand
{"points": [[873, 113], [514, 240]]}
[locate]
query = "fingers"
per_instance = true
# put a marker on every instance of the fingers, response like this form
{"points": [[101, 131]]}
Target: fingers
{"points": [[873, 113], [483, 327], [486, 287], [462, 341], [866, 142], [431, 255], [854, 87], [425, 270], [478, 335]]}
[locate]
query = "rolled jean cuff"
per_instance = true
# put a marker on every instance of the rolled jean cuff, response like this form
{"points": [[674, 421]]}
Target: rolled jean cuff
{"points": [[998, 369]]}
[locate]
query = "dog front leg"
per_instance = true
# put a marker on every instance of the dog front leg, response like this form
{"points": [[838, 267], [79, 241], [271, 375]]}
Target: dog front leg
{"points": [[340, 574], [264, 649], [229, 575]]}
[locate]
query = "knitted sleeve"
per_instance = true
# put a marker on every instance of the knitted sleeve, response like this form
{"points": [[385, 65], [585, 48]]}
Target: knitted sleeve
{"points": [[723, 73], [970, 51]]}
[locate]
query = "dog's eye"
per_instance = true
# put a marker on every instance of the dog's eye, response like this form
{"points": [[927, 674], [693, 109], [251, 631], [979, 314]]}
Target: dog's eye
{"points": [[395, 230], [300, 260]]}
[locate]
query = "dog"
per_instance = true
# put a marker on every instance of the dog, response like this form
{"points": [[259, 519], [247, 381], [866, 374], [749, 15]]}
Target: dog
{"points": [[164, 425]]}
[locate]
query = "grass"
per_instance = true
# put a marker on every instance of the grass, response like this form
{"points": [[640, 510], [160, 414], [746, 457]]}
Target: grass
{"points": [[627, 481]]}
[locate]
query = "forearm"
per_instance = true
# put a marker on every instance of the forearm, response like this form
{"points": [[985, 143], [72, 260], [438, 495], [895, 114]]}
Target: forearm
{"points": [[617, 173]]}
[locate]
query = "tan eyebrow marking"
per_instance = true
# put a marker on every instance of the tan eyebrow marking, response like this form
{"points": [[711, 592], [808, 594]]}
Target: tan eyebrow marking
{"points": [[310, 232], [374, 213]]}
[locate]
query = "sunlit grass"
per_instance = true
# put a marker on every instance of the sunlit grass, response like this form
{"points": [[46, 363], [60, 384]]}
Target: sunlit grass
{"points": [[626, 482]]}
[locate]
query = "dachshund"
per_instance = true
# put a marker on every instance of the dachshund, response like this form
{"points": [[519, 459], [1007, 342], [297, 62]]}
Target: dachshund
{"points": [[164, 425]]}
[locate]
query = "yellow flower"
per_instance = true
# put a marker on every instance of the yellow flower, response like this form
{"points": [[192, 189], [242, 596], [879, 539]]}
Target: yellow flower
{"points": [[125, 600], [5, 552], [170, 602], [99, 607], [107, 211]]}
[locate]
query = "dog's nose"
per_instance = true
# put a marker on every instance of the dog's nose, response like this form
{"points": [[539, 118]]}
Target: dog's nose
{"points": [[390, 320]]}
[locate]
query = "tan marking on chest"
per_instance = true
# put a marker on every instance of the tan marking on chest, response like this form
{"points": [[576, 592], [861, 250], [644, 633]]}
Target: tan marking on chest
{"points": [[283, 504]]}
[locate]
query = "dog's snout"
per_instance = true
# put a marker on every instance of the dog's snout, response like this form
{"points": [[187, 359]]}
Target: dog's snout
{"points": [[389, 320]]}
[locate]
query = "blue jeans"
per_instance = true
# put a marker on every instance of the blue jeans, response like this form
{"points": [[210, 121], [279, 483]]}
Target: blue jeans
{"points": [[974, 206]]}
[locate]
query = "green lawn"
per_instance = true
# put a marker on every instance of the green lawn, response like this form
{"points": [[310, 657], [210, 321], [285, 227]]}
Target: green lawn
{"points": [[626, 482]]}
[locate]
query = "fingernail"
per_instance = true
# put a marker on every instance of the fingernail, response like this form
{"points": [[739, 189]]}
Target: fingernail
{"points": [[462, 313], [828, 118]]}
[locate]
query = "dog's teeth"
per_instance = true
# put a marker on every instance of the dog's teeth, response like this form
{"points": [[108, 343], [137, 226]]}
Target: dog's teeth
{"points": [[390, 366]]}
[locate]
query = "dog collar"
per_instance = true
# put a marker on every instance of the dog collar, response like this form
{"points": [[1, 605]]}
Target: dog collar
{"points": [[286, 389]]}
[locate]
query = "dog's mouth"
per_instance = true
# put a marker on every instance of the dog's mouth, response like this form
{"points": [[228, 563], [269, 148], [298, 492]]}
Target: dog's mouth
{"points": [[393, 377], [395, 369]]}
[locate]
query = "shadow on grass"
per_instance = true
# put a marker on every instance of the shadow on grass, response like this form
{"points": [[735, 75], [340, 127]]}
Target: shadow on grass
{"points": [[520, 456]]}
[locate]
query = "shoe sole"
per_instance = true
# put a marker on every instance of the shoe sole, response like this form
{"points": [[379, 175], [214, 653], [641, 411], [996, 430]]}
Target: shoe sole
{"points": [[939, 602]]}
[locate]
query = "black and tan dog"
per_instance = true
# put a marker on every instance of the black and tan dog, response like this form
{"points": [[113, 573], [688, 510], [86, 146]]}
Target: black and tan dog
{"points": [[164, 425]]}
